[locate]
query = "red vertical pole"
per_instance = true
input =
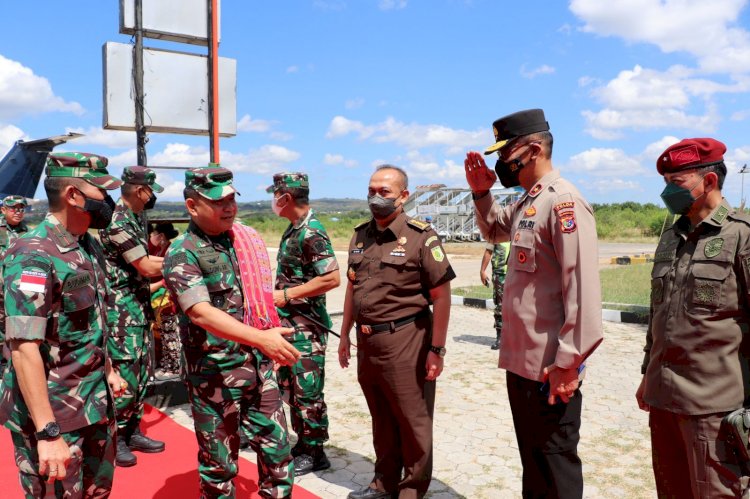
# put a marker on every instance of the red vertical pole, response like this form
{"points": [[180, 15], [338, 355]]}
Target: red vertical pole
{"points": [[213, 60]]}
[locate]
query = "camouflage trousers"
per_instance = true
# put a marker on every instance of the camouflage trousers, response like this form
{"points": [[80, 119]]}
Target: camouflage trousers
{"points": [[89, 473], [498, 283], [245, 399], [130, 358], [304, 382]]}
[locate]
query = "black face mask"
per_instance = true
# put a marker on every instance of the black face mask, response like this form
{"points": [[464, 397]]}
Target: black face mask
{"points": [[100, 211], [151, 202], [507, 172], [381, 207]]}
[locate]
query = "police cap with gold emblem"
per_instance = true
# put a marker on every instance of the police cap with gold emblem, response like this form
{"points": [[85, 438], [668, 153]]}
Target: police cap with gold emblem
{"points": [[516, 125]]}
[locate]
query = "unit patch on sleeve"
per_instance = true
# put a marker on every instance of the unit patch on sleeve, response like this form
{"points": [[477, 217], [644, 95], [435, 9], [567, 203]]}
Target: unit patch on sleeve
{"points": [[567, 216], [437, 253]]}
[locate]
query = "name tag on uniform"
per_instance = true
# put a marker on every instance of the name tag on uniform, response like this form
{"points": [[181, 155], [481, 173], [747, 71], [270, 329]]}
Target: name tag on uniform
{"points": [[356, 251], [77, 281]]}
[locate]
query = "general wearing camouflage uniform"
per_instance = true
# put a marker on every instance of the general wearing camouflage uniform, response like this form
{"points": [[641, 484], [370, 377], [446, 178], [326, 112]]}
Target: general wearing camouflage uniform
{"points": [[55, 292], [305, 252], [229, 384], [7, 234], [129, 315]]}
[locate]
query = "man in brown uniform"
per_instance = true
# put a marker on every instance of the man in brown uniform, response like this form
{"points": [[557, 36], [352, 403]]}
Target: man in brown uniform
{"points": [[397, 268], [695, 369], [552, 318]]}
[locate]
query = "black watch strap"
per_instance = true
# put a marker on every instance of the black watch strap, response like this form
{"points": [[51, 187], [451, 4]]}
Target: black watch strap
{"points": [[50, 432], [441, 351]]}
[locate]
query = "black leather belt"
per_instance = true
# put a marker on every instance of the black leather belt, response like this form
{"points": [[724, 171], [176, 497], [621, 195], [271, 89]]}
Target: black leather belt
{"points": [[389, 327]]}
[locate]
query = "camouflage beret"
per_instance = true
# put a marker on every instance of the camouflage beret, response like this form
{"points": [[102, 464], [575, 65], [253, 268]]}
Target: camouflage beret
{"points": [[289, 181], [90, 167], [210, 182], [140, 175], [690, 153], [15, 201]]}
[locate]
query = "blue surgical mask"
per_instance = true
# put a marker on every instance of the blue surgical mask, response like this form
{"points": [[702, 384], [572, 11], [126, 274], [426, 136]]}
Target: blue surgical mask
{"points": [[679, 199]]}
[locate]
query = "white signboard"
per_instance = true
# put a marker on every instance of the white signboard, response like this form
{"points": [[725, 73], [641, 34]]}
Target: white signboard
{"points": [[175, 88], [176, 20]]}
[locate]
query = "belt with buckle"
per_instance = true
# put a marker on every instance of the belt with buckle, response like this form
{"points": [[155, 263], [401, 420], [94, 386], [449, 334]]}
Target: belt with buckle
{"points": [[390, 327]]}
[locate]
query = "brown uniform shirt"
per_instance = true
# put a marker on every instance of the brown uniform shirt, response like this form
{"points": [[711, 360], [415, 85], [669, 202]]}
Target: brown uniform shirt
{"points": [[552, 310], [695, 358], [393, 270]]}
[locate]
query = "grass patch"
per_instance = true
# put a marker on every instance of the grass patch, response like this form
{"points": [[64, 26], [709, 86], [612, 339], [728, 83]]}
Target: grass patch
{"points": [[621, 286]]}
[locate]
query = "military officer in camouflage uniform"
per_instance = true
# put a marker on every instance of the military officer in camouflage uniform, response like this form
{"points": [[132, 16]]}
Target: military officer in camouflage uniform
{"points": [[11, 226], [498, 255], [57, 390], [230, 375], [306, 270], [129, 267]]}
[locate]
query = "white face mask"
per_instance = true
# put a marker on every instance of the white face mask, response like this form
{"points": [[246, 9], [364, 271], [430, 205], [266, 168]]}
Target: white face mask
{"points": [[275, 205]]}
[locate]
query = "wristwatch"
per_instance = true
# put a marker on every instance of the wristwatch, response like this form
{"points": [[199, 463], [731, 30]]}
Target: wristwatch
{"points": [[50, 432], [439, 351]]}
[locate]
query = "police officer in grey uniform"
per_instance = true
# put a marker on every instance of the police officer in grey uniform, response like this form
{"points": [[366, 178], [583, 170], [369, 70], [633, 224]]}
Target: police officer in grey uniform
{"points": [[552, 318]]}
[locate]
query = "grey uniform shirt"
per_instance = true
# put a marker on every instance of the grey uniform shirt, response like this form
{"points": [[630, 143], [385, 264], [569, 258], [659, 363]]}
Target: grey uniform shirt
{"points": [[552, 299], [696, 344]]}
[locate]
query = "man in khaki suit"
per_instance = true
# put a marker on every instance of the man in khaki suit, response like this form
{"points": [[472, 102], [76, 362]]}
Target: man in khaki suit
{"points": [[552, 317], [696, 366]]}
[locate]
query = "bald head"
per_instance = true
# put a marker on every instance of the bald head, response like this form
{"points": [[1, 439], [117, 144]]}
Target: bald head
{"points": [[392, 173]]}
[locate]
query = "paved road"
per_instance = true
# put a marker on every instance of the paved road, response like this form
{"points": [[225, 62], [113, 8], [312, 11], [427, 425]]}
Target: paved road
{"points": [[467, 267], [475, 449]]}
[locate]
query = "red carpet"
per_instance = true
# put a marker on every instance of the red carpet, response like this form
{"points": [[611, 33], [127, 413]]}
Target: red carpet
{"points": [[170, 474]]}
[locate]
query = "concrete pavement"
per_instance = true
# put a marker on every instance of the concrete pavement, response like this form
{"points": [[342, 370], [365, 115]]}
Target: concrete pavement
{"points": [[475, 448]]}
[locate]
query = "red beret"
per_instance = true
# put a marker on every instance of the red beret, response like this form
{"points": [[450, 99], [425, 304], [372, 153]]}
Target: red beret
{"points": [[690, 153]]}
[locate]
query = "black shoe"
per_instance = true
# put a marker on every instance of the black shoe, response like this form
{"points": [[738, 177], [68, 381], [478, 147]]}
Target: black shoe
{"points": [[140, 442], [495, 345], [368, 493], [124, 457], [305, 463]]}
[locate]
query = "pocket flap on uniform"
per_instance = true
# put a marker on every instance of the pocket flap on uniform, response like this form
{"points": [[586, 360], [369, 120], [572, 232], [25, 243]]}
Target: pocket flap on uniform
{"points": [[717, 271]]}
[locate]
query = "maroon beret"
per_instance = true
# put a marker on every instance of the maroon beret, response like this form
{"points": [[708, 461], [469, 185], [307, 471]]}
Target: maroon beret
{"points": [[690, 153]]}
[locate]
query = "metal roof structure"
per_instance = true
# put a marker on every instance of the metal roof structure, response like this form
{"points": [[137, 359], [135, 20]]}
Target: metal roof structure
{"points": [[451, 209]]}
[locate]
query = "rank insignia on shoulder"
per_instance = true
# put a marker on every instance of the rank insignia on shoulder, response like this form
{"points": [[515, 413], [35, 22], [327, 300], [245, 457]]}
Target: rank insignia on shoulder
{"points": [[437, 253], [357, 227], [536, 190], [418, 224]]}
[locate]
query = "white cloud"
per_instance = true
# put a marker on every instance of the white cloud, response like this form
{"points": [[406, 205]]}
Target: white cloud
{"points": [[392, 4], [544, 69], [247, 124], [601, 162], [741, 115], [108, 138], [411, 135], [607, 186], [266, 159], [644, 99], [706, 30], [338, 159], [355, 103], [329, 4], [9, 134], [292, 69], [23, 92]]}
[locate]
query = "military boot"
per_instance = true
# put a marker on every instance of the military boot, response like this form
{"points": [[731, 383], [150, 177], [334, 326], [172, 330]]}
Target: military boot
{"points": [[124, 457], [496, 344], [312, 460], [140, 442]]}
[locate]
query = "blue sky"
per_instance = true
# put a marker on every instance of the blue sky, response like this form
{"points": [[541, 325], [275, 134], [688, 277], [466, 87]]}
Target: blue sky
{"points": [[335, 87]]}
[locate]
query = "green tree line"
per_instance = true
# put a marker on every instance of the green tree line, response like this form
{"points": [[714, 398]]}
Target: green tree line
{"points": [[629, 220]]}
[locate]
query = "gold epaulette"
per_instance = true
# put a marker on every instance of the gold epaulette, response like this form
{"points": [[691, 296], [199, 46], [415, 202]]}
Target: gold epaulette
{"points": [[363, 224], [418, 224]]}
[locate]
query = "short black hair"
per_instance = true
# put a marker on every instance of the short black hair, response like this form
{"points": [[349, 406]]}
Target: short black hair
{"points": [[127, 188], [546, 140], [720, 169], [300, 196], [190, 193], [54, 186]]}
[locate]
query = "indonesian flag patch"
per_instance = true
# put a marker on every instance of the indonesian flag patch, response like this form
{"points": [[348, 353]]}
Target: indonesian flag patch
{"points": [[33, 281]]}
